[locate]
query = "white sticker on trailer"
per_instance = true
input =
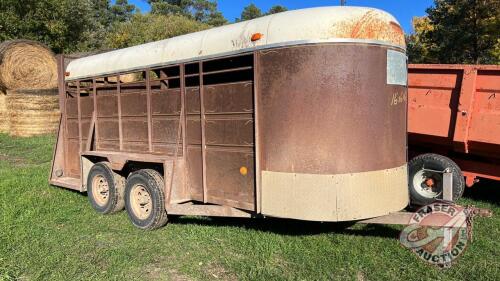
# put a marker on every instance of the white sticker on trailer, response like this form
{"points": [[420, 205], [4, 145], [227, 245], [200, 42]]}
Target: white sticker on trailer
{"points": [[397, 71]]}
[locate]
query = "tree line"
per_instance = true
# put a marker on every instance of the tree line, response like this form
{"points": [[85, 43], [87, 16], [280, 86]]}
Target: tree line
{"points": [[454, 31], [457, 32], [94, 25]]}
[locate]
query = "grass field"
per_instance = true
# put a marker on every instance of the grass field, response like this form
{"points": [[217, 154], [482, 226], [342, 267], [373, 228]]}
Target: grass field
{"points": [[48, 233]]}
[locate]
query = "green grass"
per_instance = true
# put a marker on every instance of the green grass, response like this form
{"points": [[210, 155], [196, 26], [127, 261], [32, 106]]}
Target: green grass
{"points": [[49, 233]]}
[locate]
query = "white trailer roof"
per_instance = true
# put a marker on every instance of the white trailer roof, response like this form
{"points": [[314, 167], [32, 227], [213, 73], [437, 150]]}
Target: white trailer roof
{"points": [[306, 26]]}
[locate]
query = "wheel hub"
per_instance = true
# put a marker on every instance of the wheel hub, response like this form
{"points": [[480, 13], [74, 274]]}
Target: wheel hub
{"points": [[100, 190], [428, 184], [140, 201]]}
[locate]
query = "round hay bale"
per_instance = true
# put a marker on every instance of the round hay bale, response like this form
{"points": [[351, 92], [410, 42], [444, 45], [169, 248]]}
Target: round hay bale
{"points": [[126, 78], [4, 116], [27, 64], [33, 112]]}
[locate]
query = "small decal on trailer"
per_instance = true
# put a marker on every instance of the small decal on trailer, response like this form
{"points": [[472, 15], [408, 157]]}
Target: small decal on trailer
{"points": [[398, 98], [397, 69]]}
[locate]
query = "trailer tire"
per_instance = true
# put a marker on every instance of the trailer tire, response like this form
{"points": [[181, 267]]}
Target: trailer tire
{"points": [[421, 182], [105, 189], [145, 199]]}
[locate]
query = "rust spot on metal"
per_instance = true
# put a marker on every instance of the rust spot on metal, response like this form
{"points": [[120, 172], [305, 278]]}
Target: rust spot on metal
{"points": [[371, 26]]}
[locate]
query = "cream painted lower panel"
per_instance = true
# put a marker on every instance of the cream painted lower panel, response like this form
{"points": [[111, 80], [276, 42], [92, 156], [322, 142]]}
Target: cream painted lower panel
{"points": [[340, 197]]}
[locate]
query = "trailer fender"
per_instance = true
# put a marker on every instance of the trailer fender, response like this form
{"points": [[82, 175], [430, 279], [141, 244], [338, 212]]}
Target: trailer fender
{"points": [[116, 163]]}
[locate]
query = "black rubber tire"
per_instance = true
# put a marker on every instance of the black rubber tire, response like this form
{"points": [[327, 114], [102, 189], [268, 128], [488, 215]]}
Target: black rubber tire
{"points": [[439, 163], [153, 183], [116, 185]]}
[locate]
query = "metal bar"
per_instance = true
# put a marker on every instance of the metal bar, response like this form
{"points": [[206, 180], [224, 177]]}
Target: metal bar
{"points": [[174, 162], [452, 66], [61, 84], [56, 145], [465, 107], [224, 114], [168, 176], [182, 71], [393, 218], [96, 133], [162, 78], [88, 147], [228, 70], [78, 102], [258, 181], [62, 94], [150, 122], [448, 185], [66, 143], [448, 196], [120, 125], [203, 137], [402, 218], [206, 210]]}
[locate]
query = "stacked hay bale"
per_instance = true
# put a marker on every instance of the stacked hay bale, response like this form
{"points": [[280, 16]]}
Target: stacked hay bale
{"points": [[4, 116], [33, 112], [28, 75]]}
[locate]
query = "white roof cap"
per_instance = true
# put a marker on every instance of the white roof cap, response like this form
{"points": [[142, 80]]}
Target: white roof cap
{"points": [[314, 25]]}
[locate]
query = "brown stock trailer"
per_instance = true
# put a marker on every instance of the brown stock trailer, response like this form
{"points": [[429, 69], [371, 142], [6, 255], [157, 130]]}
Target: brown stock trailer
{"points": [[453, 121], [304, 121]]}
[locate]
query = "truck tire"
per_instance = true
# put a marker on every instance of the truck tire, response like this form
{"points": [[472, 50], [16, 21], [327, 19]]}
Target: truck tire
{"points": [[427, 186], [105, 189], [145, 199]]}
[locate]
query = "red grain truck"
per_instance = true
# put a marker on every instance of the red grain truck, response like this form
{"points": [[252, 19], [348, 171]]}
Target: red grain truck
{"points": [[453, 122]]}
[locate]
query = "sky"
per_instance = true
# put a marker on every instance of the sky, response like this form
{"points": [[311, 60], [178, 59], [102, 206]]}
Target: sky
{"points": [[403, 10]]}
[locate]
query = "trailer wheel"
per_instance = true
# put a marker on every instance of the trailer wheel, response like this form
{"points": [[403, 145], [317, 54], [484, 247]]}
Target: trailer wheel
{"points": [[145, 199], [427, 186], [105, 189]]}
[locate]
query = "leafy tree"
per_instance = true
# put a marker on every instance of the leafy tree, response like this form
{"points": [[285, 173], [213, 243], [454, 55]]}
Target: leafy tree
{"points": [[122, 11], [143, 28], [60, 24], [459, 31], [204, 11], [63, 25], [250, 12], [276, 9], [101, 19], [169, 7], [417, 47]]}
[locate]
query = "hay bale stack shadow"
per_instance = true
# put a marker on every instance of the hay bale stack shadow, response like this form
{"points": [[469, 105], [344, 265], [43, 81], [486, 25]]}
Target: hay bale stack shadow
{"points": [[33, 112], [26, 64], [4, 115]]}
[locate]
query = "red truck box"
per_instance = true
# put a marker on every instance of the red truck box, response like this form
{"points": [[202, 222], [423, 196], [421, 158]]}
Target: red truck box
{"points": [[454, 111]]}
